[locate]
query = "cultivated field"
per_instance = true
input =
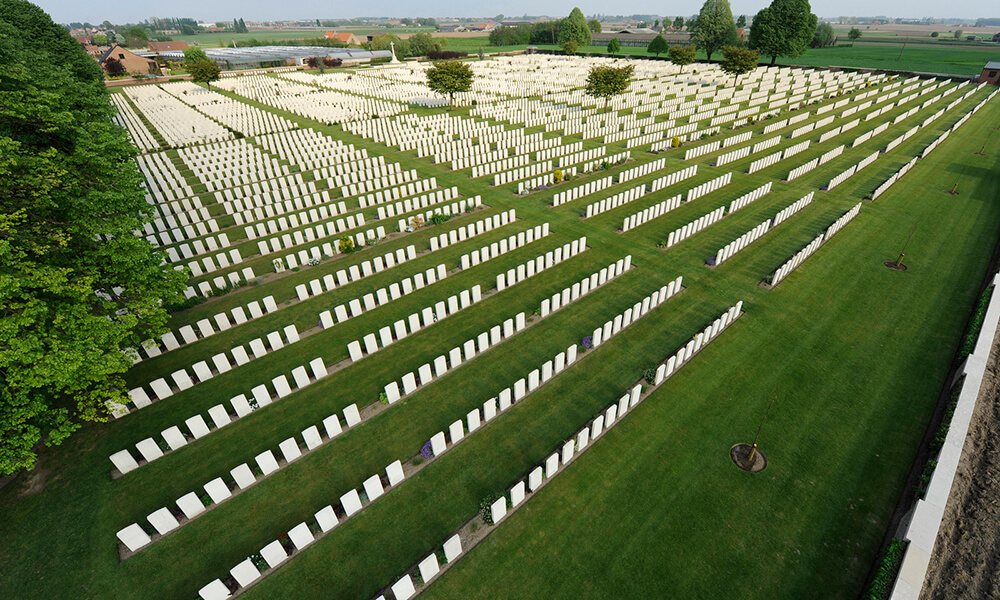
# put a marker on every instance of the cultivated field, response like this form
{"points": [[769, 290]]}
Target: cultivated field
{"points": [[853, 354]]}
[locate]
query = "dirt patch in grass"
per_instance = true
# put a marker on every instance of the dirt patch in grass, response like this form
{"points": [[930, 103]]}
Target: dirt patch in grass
{"points": [[967, 553]]}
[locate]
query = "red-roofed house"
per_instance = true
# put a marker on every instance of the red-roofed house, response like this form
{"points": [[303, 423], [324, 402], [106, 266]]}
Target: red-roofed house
{"points": [[345, 38]]}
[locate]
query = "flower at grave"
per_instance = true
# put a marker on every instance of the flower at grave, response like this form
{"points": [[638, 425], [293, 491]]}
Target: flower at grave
{"points": [[588, 341], [426, 451], [711, 261]]}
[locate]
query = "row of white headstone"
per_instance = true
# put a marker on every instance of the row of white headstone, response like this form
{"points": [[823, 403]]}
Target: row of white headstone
{"points": [[582, 190], [895, 176], [642, 170], [540, 263], [648, 214], [675, 177], [749, 197], [619, 199], [305, 534], [709, 186], [682, 233], [728, 157], [741, 242], [802, 169], [793, 208], [430, 315], [161, 389], [370, 301], [585, 286], [496, 249], [793, 263], [641, 308], [522, 173], [832, 154], [260, 396], [703, 149]]}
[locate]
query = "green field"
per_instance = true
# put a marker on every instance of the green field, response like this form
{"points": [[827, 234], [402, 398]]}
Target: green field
{"points": [[854, 354], [916, 57]]}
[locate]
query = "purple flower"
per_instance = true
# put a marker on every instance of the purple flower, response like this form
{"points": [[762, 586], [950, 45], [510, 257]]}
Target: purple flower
{"points": [[588, 341], [426, 451], [711, 261]]}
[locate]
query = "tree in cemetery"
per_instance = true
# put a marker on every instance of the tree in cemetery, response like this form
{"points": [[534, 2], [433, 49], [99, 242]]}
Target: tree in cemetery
{"points": [[449, 77], [594, 25], [678, 23], [785, 28], [614, 47], [854, 33], [741, 21], [382, 42], [657, 46], [193, 54], [825, 36], [606, 81], [205, 71], [683, 55], [739, 61], [715, 27], [574, 29], [570, 48], [79, 288], [114, 67], [422, 43]]}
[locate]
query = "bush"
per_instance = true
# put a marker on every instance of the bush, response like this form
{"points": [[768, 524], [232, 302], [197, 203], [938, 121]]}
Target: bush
{"points": [[381, 60], [417, 460], [935, 34], [184, 305], [570, 47], [383, 398], [975, 324], [485, 504], [346, 244], [649, 375], [885, 577], [332, 62], [557, 176], [674, 143], [439, 218]]}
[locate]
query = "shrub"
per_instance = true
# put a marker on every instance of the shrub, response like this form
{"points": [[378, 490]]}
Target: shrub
{"points": [[346, 244], [446, 55], [570, 48], [881, 586], [184, 305], [674, 143], [935, 34], [649, 375], [439, 218], [557, 176], [417, 460], [975, 324], [426, 451], [332, 62], [485, 504], [383, 398], [587, 342]]}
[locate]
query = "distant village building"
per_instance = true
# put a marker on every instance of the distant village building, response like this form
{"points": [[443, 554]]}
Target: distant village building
{"points": [[133, 63], [344, 37], [991, 73]]}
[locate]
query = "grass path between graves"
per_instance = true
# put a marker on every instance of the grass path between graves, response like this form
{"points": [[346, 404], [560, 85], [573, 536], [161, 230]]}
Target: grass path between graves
{"points": [[854, 353]]}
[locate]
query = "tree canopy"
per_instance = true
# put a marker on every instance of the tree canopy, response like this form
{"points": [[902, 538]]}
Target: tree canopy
{"points": [[421, 44], [855, 33], [448, 77], [683, 55], [678, 22], [574, 28], [606, 81], [738, 61], [715, 26], [79, 288], [614, 47], [594, 25], [785, 28], [657, 46], [193, 54], [825, 36], [204, 71]]}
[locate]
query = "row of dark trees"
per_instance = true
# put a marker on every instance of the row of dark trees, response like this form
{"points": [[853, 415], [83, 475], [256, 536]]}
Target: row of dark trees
{"points": [[574, 28], [79, 287]]}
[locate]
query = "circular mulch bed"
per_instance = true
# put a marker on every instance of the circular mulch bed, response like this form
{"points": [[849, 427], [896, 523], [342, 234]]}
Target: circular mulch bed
{"points": [[895, 265], [740, 453]]}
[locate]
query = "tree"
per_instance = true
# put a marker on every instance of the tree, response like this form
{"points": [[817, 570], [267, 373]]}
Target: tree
{"points": [[193, 54], [242, 27], [421, 44], [741, 21], [594, 25], [678, 23], [114, 67], [570, 47], [738, 61], [204, 71], [656, 24], [825, 36], [79, 287], [715, 27], [383, 42], [312, 62], [100, 40], [785, 28], [934, 34], [958, 34], [574, 29], [854, 33], [605, 81], [614, 47], [683, 55], [448, 77], [657, 46]]}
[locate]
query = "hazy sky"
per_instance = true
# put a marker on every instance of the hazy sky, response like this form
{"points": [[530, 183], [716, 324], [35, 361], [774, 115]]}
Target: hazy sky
{"points": [[65, 11]]}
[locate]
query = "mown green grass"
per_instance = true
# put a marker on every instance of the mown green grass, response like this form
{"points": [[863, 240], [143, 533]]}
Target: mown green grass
{"points": [[855, 354]]}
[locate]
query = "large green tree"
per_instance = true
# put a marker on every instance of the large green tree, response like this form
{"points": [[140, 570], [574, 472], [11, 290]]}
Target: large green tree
{"points": [[449, 77], [738, 61], [614, 47], [785, 28], [421, 44], [574, 28], [606, 81], [77, 287], [205, 71], [657, 46], [683, 55], [825, 36], [715, 27], [193, 54]]}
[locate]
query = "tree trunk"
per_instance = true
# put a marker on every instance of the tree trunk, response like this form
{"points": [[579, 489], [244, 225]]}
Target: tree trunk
{"points": [[774, 57]]}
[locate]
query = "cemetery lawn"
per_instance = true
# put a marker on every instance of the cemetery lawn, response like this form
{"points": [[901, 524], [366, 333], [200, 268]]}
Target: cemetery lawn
{"points": [[854, 354]]}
